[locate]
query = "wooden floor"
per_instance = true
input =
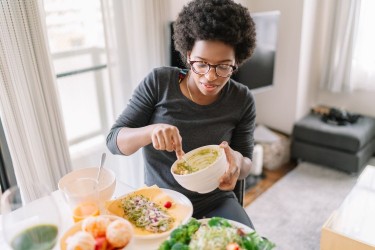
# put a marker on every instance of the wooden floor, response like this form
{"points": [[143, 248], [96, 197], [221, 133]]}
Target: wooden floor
{"points": [[270, 178]]}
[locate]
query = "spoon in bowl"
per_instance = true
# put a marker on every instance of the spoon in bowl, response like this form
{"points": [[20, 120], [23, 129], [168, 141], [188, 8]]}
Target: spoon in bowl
{"points": [[102, 160]]}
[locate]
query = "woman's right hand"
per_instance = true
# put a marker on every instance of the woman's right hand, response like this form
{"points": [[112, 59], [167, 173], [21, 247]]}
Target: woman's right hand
{"points": [[167, 137]]}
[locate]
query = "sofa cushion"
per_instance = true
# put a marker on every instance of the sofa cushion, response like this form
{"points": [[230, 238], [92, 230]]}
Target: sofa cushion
{"points": [[350, 138], [338, 159]]}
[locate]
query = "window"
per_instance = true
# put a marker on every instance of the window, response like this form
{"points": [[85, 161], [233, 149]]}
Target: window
{"points": [[76, 40], [7, 176]]}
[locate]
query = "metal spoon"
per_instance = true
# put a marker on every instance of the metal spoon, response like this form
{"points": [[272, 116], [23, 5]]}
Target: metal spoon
{"points": [[102, 160]]}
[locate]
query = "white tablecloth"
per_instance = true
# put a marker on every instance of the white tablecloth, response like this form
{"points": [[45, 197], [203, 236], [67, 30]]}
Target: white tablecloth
{"points": [[67, 221]]}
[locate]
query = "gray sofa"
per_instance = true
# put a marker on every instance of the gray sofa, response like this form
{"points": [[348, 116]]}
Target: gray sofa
{"points": [[347, 148]]}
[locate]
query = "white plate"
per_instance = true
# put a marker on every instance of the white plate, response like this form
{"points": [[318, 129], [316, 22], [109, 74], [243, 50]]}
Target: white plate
{"points": [[235, 224], [178, 198]]}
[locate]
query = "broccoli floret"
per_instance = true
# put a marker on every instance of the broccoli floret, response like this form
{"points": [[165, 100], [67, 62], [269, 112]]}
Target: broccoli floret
{"points": [[193, 222], [180, 235], [184, 232], [166, 245], [254, 241], [219, 222], [180, 246], [192, 227]]}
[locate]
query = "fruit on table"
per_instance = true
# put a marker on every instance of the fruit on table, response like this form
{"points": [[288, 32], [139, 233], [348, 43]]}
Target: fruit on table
{"points": [[101, 243], [85, 210], [96, 226], [100, 233], [81, 241], [118, 234]]}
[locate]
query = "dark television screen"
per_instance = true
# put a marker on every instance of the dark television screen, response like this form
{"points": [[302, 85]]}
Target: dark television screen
{"points": [[258, 71]]}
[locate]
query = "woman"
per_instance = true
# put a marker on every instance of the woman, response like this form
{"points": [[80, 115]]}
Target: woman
{"points": [[174, 110]]}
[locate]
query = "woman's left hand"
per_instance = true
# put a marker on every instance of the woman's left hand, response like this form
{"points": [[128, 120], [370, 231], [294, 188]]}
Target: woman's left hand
{"points": [[229, 179]]}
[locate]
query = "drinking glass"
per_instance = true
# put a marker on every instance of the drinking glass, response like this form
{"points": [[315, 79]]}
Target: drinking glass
{"points": [[30, 218], [82, 196]]}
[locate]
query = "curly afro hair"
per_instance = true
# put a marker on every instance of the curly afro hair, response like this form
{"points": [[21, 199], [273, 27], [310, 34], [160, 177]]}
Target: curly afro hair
{"points": [[215, 20]]}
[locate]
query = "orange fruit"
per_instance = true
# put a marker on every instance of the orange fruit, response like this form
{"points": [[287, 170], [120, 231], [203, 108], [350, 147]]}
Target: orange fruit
{"points": [[84, 210]]}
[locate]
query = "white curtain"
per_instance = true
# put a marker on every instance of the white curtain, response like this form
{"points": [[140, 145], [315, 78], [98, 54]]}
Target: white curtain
{"points": [[137, 41], [363, 63], [343, 32], [29, 104]]}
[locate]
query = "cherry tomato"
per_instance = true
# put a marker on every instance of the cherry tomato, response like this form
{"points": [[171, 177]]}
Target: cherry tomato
{"points": [[167, 204], [233, 246]]}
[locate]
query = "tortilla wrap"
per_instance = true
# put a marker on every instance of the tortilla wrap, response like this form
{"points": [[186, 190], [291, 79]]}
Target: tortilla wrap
{"points": [[177, 211]]}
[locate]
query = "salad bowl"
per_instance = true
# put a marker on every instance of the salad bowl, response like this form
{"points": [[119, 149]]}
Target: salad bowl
{"points": [[215, 233], [200, 170]]}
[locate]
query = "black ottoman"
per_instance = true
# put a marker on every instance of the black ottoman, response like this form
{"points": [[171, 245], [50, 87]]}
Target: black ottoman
{"points": [[347, 148]]}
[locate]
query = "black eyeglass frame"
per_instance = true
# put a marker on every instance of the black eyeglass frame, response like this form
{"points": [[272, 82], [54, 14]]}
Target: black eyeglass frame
{"points": [[213, 66]]}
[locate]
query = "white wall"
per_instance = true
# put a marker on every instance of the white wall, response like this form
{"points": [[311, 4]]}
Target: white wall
{"points": [[176, 6], [362, 102], [304, 39], [277, 107]]}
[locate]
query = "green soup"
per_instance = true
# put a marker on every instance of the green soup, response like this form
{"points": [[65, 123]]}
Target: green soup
{"points": [[40, 237], [198, 161]]}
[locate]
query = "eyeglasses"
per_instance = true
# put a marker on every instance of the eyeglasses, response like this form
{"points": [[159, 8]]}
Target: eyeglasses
{"points": [[221, 70]]}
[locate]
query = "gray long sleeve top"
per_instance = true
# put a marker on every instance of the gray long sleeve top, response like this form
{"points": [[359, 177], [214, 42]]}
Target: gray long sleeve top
{"points": [[158, 99]]}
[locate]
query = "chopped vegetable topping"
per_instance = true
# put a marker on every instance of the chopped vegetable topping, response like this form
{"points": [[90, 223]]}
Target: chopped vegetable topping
{"points": [[216, 237], [144, 213]]}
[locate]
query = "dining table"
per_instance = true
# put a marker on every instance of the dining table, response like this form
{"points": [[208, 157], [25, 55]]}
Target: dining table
{"points": [[67, 221]]}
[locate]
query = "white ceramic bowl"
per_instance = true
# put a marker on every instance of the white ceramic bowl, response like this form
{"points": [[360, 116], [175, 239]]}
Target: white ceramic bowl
{"points": [[107, 182], [204, 180]]}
